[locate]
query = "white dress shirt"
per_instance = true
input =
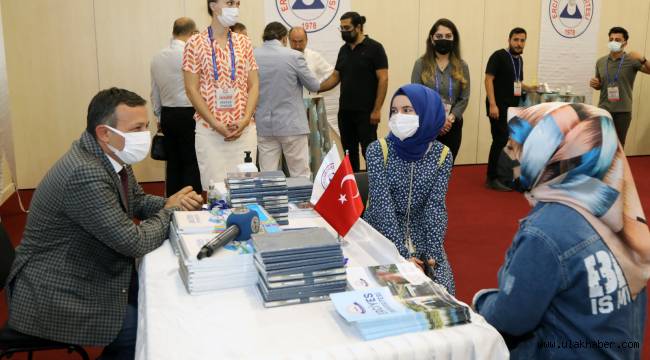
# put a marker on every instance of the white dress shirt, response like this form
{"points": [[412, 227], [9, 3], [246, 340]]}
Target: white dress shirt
{"points": [[167, 86], [318, 65], [117, 166]]}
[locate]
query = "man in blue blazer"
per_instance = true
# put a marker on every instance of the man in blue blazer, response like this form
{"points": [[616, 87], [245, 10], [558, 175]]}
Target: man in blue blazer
{"points": [[281, 118]]}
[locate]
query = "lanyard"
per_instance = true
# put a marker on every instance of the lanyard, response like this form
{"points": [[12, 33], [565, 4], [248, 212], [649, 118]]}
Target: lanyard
{"points": [[451, 86], [214, 56], [618, 72], [514, 68]]}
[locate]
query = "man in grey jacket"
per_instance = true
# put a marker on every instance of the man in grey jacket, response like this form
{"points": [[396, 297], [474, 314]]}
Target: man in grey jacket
{"points": [[73, 279], [281, 118]]}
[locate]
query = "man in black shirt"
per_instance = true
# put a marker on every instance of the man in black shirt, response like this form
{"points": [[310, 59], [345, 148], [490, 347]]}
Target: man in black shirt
{"points": [[362, 70], [504, 76]]}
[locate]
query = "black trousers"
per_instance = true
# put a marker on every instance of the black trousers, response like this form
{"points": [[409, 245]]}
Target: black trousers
{"points": [[622, 124], [453, 138], [178, 125], [500, 134], [356, 130]]}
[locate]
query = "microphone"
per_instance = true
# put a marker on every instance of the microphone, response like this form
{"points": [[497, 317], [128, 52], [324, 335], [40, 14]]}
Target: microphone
{"points": [[241, 223]]}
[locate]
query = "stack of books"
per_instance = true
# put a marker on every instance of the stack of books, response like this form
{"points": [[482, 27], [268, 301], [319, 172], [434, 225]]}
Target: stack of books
{"points": [[299, 189], [229, 267], [395, 299], [266, 188], [298, 266]]}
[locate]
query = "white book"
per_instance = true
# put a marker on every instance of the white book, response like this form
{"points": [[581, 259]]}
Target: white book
{"points": [[233, 254], [197, 222]]}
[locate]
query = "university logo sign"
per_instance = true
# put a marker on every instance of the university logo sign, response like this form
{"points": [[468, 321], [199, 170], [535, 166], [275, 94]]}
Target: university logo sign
{"points": [[313, 15], [571, 18]]}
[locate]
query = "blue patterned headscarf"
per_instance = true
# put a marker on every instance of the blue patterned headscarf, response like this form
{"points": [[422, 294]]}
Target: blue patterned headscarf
{"points": [[570, 154], [429, 108]]}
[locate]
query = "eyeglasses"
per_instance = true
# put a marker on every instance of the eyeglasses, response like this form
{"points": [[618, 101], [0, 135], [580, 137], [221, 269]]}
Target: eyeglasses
{"points": [[445, 36], [346, 28]]}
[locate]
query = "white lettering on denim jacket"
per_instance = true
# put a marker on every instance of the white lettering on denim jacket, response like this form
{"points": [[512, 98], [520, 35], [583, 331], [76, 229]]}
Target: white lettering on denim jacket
{"points": [[608, 288]]}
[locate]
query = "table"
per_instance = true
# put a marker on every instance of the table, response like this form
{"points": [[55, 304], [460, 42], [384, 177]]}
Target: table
{"points": [[233, 324]]}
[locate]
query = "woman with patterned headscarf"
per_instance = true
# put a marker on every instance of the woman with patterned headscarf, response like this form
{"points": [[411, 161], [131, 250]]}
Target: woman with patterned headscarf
{"points": [[573, 282], [408, 174]]}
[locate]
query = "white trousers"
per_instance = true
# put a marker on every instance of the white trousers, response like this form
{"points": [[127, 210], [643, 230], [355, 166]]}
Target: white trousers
{"points": [[295, 150], [216, 157]]}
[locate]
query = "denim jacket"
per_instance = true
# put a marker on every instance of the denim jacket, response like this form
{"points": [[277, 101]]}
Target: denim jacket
{"points": [[564, 292]]}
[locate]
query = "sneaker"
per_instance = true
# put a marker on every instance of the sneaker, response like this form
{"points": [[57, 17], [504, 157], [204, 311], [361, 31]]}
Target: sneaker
{"points": [[497, 185]]}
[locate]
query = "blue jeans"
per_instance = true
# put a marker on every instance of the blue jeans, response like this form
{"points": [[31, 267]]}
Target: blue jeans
{"points": [[123, 347]]}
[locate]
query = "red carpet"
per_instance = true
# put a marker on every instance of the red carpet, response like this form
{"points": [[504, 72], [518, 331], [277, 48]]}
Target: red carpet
{"points": [[481, 226]]}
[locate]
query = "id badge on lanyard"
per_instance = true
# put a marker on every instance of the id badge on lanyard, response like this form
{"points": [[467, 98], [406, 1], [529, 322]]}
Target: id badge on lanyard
{"points": [[226, 99], [447, 107], [517, 88], [225, 96], [613, 93]]}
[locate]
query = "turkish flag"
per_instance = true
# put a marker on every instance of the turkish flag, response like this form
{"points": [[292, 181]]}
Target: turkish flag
{"points": [[341, 205]]}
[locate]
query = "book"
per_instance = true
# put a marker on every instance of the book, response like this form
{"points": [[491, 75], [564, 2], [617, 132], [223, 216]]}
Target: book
{"points": [[294, 242], [264, 266], [198, 222], [301, 291], [394, 299], [304, 281], [303, 300], [302, 275]]}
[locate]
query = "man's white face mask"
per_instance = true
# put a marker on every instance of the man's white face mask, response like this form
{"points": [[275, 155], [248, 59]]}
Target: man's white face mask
{"points": [[229, 16], [403, 125], [136, 146], [614, 46]]}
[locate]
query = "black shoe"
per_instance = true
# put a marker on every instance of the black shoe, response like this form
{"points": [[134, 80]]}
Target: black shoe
{"points": [[497, 185]]}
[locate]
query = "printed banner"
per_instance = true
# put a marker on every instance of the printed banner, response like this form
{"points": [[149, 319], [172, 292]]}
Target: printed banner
{"points": [[568, 45], [320, 18], [6, 137]]}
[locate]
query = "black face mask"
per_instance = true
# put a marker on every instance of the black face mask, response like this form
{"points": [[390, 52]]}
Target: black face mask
{"points": [[349, 37], [443, 46]]}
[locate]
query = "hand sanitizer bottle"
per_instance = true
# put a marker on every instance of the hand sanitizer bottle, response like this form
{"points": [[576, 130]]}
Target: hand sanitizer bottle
{"points": [[247, 165]]}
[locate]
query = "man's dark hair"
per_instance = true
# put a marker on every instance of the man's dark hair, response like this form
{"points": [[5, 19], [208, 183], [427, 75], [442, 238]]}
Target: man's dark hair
{"points": [[210, 10], [274, 31], [516, 31], [355, 18], [101, 110], [183, 27], [619, 30], [238, 27]]}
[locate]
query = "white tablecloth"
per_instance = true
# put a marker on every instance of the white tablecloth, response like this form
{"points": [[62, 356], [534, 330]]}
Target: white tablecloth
{"points": [[233, 324]]}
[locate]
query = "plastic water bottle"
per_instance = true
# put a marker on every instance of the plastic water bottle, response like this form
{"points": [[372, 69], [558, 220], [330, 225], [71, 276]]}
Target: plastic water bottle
{"points": [[213, 194]]}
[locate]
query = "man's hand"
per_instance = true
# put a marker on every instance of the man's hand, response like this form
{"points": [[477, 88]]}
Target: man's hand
{"points": [[186, 199], [494, 111], [595, 83], [375, 117]]}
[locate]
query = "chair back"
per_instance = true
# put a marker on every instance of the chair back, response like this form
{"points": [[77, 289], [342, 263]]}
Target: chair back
{"points": [[362, 184], [7, 255]]}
